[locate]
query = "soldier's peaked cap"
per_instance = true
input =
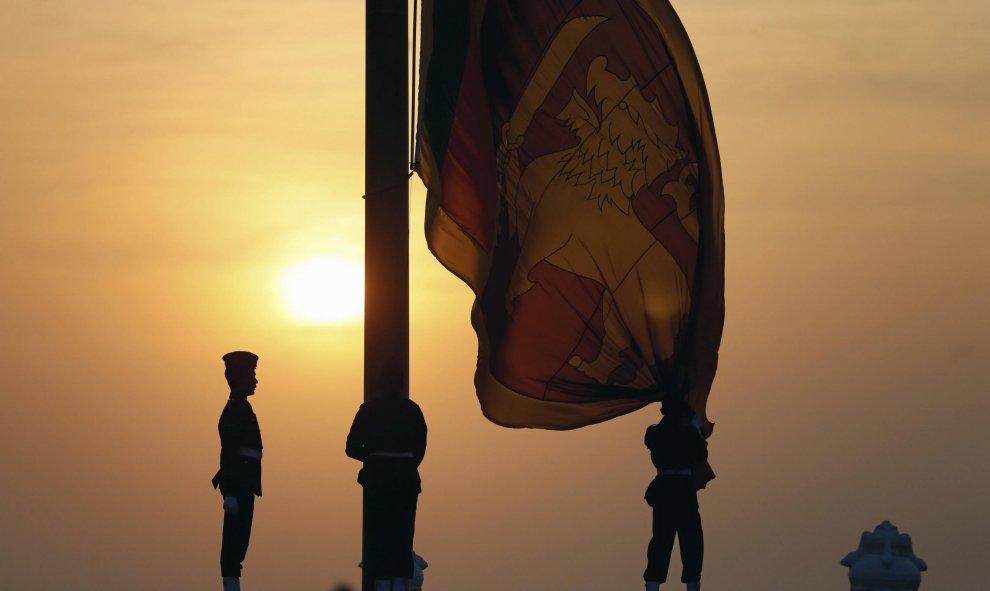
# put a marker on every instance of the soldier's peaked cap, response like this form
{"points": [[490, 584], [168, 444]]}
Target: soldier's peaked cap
{"points": [[240, 360]]}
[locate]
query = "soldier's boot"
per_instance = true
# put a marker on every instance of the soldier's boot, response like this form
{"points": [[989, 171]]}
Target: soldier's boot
{"points": [[652, 586], [383, 585], [400, 585], [695, 586], [231, 584]]}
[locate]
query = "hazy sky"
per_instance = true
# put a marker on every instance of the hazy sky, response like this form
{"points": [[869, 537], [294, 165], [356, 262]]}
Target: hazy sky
{"points": [[162, 163]]}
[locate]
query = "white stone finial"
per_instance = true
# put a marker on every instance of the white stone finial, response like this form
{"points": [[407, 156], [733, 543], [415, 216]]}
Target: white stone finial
{"points": [[884, 561]]}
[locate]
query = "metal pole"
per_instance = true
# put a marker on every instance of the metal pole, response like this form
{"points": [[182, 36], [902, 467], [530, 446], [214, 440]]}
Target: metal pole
{"points": [[386, 181]]}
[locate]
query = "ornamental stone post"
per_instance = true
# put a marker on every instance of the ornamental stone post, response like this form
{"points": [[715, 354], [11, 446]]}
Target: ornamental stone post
{"points": [[884, 561]]}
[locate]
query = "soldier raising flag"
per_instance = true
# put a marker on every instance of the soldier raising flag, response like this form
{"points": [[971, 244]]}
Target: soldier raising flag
{"points": [[680, 454]]}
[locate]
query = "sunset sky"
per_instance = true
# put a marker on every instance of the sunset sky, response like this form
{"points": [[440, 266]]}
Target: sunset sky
{"points": [[163, 165]]}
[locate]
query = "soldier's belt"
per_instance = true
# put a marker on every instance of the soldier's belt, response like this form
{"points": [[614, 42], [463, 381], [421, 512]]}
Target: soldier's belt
{"points": [[392, 454], [249, 452]]}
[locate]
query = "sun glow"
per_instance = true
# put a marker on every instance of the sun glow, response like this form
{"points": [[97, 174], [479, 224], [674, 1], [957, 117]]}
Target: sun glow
{"points": [[325, 289]]}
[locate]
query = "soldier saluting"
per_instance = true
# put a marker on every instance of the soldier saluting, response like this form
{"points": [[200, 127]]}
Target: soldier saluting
{"points": [[239, 476]]}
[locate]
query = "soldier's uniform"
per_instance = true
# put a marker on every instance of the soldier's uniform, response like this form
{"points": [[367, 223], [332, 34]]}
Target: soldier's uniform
{"points": [[677, 448], [389, 436], [239, 475]]}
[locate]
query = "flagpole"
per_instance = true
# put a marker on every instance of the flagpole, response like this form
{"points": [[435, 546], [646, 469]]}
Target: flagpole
{"points": [[386, 182]]}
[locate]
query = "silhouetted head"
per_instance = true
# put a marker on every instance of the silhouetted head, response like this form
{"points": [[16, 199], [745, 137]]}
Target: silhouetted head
{"points": [[676, 407], [240, 367]]}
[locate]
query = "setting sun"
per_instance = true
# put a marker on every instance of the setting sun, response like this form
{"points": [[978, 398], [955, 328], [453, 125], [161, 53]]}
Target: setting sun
{"points": [[324, 289]]}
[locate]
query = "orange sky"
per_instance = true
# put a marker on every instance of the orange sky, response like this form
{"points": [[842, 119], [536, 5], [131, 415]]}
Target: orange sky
{"points": [[161, 165]]}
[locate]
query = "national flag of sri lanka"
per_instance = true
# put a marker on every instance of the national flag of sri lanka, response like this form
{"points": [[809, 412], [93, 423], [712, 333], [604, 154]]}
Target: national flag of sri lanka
{"points": [[574, 183]]}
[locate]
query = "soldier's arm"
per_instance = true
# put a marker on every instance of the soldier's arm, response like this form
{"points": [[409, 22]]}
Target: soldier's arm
{"points": [[419, 434], [700, 447], [232, 479], [356, 446], [650, 436]]}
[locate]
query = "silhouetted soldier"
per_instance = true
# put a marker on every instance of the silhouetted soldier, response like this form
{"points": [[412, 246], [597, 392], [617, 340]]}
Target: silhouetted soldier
{"points": [[677, 449], [239, 477], [389, 436]]}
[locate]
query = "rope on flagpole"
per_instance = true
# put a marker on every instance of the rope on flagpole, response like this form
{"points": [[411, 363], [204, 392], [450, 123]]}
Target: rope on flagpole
{"points": [[412, 95], [388, 189]]}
